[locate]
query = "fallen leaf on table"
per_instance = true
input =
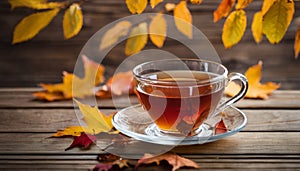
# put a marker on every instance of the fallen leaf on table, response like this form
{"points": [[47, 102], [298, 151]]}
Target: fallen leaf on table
{"points": [[220, 127], [84, 140], [69, 131], [255, 89], [119, 84], [109, 165], [72, 85], [95, 120], [173, 159]]}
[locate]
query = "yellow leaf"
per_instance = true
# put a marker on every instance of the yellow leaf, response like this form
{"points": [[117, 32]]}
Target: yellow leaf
{"points": [[234, 28], [297, 43], [257, 27], [74, 86], [170, 6], [266, 6], [196, 1], [183, 19], [35, 4], [95, 119], [137, 39], [32, 25], [157, 30], [223, 9], [255, 89], [241, 4], [277, 20], [136, 6], [72, 22], [155, 2], [113, 34], [69, 131]]}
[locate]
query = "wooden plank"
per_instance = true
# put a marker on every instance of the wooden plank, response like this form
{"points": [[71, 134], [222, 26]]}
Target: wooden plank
{"points": [[281, 99], [51, 120], [275, 143]]}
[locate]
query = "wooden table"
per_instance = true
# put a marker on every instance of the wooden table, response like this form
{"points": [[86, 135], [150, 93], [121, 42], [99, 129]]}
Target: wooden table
{"points": [[270, 141]]}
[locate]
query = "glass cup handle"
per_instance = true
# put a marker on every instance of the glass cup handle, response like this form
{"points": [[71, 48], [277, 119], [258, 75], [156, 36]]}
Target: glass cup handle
{"points": [[244, 87]]}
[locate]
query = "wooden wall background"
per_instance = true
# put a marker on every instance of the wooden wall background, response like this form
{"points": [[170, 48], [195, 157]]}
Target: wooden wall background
{"points": [[47, 55]]}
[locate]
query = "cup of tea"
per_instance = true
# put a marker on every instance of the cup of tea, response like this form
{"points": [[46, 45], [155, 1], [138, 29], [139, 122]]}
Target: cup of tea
{"points": [[180, 94]]}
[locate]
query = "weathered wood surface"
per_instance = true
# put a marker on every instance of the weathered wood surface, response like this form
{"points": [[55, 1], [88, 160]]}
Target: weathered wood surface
{"points": [[268, 142], [45, 57]]}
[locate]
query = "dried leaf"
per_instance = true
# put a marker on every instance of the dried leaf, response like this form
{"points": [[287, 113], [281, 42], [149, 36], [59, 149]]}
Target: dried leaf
{"points": [[223, 9], [35, 4], [220, 128], [183, 19], [84, 140], [297, 43], [266, 6], [73, 20], [72, 85], [137, 39], [196, 1], [109, 165], [69, 131], [157, 30], [170, 6], [113, 34], [32, 25], [155, 2], [257, 27], [234, 28], [173, 159], [136, 6], [95, 119], [277, 20], [255, 89], [241, 4]]}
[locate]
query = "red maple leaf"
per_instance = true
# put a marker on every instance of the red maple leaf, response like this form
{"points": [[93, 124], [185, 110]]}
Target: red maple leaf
{"points": [[84, 140]]}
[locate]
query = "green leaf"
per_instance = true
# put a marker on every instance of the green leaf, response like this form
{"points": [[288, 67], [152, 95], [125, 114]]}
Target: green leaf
{"points": [[32, 25]]}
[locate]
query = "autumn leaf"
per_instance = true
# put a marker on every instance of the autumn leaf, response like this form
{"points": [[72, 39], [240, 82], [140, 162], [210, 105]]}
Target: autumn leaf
{"points": [[136, 6], [223, 9], [257, 27], [137, 39], [173, 159], [196, 1], [69, 131], [35, 4], [112, 35], [255, 89], [266, 6], [170, 6], [183, 19], [297, 43], [106, 166], [277, 20], [157, 30], [84, 140], [241, 4], [32, 25], [95, 119], [234, 28], [73, 20], [72, 85], [220, 128], [154, 3]]}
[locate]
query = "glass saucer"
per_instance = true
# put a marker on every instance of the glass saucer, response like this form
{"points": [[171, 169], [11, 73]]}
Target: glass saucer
{"points": [[135, 122]]}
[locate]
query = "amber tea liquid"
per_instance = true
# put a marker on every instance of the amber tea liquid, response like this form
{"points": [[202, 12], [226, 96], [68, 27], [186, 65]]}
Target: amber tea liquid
{"points": [[179, 105]]}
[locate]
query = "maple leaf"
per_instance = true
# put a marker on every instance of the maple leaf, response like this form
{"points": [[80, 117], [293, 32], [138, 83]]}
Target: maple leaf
{"points": [[255, 89], [84, 140], [220, 128], [72, 85], [173, 159], [119, 84], [96, 120]]}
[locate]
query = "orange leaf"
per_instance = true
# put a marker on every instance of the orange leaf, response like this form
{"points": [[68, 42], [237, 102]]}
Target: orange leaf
{"points": [[72, 85], [157, 30], [136, 6], [297, 43], [223, 9], [256, 89], [155, 2], [69, 131], [183, 19], [170, 6], [173, 159], [196, 1]]}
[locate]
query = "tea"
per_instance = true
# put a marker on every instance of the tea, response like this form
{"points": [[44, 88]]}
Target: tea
{"points": [[180, 104]]}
